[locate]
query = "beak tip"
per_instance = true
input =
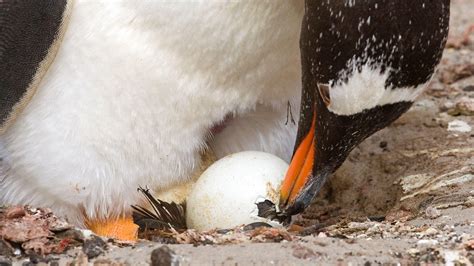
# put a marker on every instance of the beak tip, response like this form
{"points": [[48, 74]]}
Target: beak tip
{"points": [[295, 208]]}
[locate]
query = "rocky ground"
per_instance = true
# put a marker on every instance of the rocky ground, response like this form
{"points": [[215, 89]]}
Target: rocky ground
{"points": [[404, 196]]}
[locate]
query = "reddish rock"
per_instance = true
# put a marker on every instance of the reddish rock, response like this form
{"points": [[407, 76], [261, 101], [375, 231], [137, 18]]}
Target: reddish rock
{"points": [[15, 212], [23, 230]]}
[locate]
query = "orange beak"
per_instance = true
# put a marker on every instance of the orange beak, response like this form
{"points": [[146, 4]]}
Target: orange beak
{"points": [[300, 169]]}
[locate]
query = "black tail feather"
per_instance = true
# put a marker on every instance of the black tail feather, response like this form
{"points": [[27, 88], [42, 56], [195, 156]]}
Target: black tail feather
{"points": [[164, 216]]}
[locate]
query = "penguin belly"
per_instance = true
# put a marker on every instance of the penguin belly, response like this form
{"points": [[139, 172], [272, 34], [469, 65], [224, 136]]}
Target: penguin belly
{"points": [[132, 95]]}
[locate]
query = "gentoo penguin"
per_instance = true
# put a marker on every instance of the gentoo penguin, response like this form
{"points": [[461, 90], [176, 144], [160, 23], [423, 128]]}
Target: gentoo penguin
{"points": [[101, 97], [364, 62]]}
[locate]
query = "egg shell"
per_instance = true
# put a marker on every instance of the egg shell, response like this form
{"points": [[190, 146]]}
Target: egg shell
{"points": [[225, 194]]}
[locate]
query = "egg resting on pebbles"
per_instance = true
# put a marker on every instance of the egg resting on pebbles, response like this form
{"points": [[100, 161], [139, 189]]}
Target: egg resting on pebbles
{"points": [[226, 194]]}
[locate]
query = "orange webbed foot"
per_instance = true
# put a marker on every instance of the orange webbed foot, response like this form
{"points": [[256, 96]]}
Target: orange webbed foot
{"points": [[118, 228]]}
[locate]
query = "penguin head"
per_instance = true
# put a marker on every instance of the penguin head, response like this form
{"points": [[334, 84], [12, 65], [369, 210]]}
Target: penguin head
{"points": [[363, 65], [324, 141]]}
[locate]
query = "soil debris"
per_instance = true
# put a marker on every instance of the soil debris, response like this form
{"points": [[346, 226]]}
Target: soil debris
{"points": [[5, 261], [33, 231], [79, 260], [24, 230], [5, 248], [303, 252], [465, 106], [260, 234], [469, 245], [456, 72], [463, 40]]}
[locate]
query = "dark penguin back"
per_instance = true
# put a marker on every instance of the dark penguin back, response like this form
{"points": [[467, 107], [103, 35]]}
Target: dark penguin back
{"points": [[28, 29]]}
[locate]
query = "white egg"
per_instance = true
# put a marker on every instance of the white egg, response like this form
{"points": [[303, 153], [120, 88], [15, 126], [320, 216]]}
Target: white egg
{"points": [[225, 194]]}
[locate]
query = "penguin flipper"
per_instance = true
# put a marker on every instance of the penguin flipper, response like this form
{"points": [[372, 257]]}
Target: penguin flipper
{"points": [[29, 34]]}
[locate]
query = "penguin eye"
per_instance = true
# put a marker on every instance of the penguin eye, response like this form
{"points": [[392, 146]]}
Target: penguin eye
{"points": [[324, 93]]}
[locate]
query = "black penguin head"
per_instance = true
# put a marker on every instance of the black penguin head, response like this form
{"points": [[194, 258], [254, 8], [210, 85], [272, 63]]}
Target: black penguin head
{"points": [[364, 63]]}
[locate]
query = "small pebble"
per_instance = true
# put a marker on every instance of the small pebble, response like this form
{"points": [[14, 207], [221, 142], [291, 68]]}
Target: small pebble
{"points": [[464, 106], [360, 226], [459, 126], [163, 256], [104, 262], [468, 88], [94, 247], [256, 225], [15, 212], [432, 213], [413, 251], [5, 261], [57, 225], [87, 233], [321, 234], [72, 234], [431, 231], [427, 242], [374, 229]]}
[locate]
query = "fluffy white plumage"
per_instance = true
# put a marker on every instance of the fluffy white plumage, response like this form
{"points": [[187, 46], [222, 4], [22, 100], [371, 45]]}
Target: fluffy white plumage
{"points": [[132, 95]]}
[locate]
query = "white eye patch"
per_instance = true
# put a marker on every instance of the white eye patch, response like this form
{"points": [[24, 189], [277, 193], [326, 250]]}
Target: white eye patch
{"points": [[365, 89]]}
